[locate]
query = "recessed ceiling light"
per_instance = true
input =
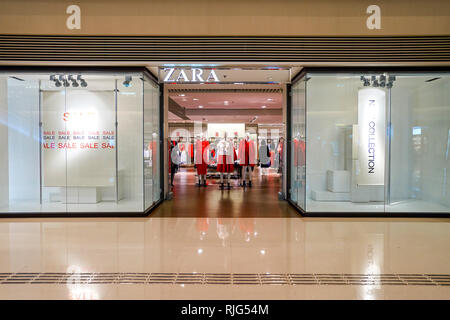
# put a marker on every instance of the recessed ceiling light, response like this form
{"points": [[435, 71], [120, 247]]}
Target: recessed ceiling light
{"points": [[269, 99], [182, 95], [201, 107], [226, 103], [195, 99], [263, 107]]}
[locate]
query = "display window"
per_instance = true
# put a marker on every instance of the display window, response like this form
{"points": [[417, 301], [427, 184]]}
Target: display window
{"points": [[79, 142], [373, 143]]}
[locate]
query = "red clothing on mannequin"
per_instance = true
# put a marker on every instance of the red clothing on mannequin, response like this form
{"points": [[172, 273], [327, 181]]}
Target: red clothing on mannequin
{"points": [[247, 153], [226, 155], [299, 153], [200, 155], [226, 163]]}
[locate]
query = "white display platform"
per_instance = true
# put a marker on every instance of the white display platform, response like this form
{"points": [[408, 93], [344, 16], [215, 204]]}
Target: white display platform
{"points": [[338, 180], [368, 193], [80, 195], [330, 196]]}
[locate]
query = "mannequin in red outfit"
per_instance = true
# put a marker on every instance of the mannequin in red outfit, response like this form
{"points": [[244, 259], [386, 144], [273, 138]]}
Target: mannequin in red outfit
{"points": [[247, 159], [201, 159], [226, 154]]}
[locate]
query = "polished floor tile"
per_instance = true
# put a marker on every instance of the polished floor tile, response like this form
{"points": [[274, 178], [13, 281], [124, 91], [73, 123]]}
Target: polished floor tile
{"points": [[203, 232], [225, 245]]}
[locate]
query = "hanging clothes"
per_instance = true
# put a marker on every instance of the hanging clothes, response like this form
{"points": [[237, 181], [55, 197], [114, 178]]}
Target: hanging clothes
{"points": [[201, 156], [264, 154]]}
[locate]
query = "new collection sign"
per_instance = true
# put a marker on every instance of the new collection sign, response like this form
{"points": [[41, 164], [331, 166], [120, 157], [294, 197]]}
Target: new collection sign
{"points": [[371, 123]]}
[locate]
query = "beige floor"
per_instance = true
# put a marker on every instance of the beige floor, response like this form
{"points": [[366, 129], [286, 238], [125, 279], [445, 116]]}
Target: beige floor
{"points": [[225, 245]]}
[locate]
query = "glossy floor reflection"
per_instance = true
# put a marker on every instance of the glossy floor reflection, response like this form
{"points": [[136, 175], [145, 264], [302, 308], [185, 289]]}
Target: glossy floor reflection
{"points": [[225, 245], [261, 200]]}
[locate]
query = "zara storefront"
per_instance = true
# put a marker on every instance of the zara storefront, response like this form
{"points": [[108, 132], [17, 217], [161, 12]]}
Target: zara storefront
{"points": [[89, 142]]}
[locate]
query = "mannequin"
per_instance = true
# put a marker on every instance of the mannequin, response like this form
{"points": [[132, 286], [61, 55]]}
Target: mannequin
{"points": [[201, 159], [299, 158], [225, 159], [247, 159]]}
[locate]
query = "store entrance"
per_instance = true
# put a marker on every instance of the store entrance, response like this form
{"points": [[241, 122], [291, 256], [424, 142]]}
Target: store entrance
{"points": [[226, 150]]}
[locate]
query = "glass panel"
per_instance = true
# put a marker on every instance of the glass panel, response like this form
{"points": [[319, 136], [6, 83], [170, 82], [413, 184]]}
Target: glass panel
{"points": [[20, 179], [346, 132], [420, 143], [55, 141], [297, 144], [157, 144], [71, 142], [130, 118], [91, 142], [151, 143]]}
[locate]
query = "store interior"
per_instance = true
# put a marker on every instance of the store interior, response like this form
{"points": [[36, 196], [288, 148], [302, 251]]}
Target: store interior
{"points": [[227, 112]]}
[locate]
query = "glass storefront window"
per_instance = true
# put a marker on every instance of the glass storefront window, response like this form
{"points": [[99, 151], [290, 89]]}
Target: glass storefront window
{"points": [[375, 142], [73, 142], [297, 185]]}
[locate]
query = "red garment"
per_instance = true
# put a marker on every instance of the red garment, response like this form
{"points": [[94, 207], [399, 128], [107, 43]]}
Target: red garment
{"points": [[247, 153], [201, 156], [170, 161], [299, 153], [225, 164], [191, 151], [202, 224]]}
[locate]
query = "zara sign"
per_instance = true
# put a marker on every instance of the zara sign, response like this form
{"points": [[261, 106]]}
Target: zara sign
{"points": [[190, 75]]}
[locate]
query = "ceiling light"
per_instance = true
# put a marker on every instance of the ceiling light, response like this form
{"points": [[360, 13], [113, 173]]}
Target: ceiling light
{"points": [[263, 107], [226, 103], [127, 82], [201, 107], [195, 99], [269, 99], [181, 95]]}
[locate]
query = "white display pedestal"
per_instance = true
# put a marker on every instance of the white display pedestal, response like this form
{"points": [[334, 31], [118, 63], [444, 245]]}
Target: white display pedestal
{"points": [[77, 195]]}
